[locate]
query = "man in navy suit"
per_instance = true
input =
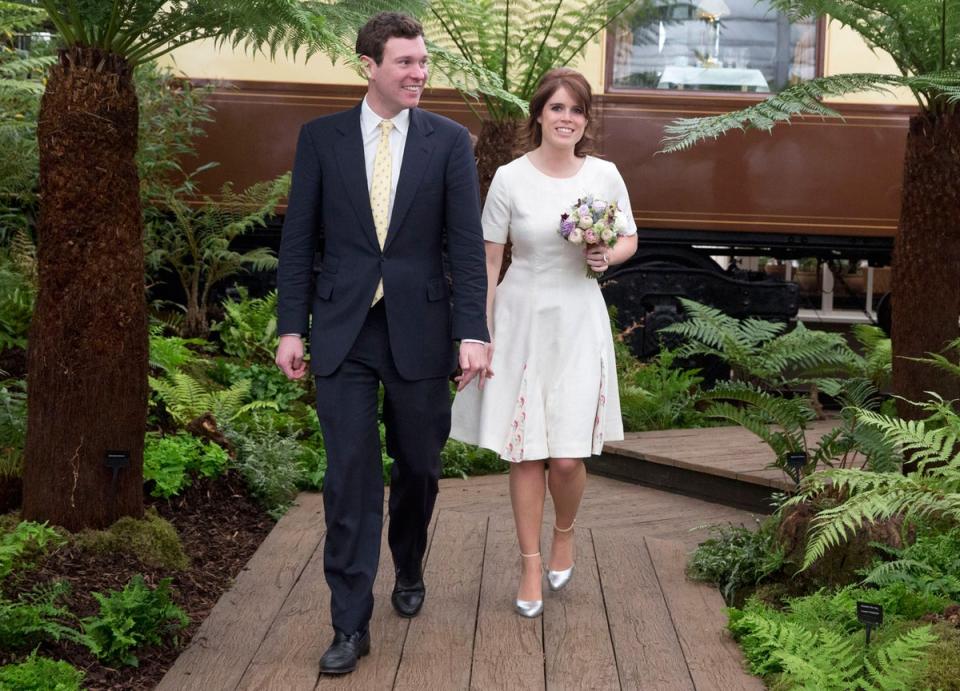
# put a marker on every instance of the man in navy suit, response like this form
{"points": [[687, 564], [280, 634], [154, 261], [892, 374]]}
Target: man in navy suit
{"points": [[387, 197]]}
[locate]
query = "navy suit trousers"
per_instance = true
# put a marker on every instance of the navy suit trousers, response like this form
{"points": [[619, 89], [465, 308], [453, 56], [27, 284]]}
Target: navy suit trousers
{"points": [[416, 415]]}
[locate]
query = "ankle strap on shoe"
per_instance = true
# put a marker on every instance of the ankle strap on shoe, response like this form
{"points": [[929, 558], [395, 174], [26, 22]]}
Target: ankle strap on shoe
{"points": [[564, 530], [529, 556]]}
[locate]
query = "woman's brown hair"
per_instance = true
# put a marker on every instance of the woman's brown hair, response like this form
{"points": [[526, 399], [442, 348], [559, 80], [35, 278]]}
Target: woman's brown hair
{"points": [[578, 87]]}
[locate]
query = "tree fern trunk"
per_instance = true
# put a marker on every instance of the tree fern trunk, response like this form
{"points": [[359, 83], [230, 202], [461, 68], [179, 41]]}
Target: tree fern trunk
{"points": [[87, 359], [497, 145], [926, 266]]}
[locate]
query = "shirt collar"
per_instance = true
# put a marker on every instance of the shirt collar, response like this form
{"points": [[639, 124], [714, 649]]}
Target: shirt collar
{"points": [[370, 121]]}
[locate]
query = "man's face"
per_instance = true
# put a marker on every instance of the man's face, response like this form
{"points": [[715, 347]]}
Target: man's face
{"points": [[397, 82]]}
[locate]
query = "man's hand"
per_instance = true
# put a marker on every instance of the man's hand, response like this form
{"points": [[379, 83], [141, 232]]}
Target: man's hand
{"points": [[473, 362], [290, 357]]}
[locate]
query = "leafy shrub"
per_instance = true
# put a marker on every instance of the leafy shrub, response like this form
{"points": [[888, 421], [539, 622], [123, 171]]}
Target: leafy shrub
{"points": [[13, 427], [153, 540], [132, 617], [736, 558], [272, 463], [41, 674], [660, 395], [35, 617], [313, 462], [168, 462], [24, 542], [249, 328], [17, 295], [461, 460]]}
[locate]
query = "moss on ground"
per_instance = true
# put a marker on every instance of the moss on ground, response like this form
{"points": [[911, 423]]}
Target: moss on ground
{"points": [[943, 660], [152, 539]]}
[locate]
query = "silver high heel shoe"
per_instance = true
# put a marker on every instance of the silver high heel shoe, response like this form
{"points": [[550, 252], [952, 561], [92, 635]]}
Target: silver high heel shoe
{"points": [[529, 608], [558, 580]]}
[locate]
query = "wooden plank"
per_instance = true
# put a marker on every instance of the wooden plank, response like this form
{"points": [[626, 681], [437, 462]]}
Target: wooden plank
{"points": [[230, 636], [508, 653], [439, 644], [579, 652], [647, 650], [713, 657], [289, 657]]}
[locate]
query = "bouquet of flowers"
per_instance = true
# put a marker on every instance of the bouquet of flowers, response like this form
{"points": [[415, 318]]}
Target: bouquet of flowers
{"points": [[592, 221]]}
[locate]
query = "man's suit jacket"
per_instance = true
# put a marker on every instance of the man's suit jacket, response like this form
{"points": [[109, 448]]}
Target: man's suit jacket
{"points": [[436, 198]]}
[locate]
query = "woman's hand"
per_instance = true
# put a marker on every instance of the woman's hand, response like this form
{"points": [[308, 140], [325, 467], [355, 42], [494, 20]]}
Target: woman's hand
{"points": [[598, 257]]}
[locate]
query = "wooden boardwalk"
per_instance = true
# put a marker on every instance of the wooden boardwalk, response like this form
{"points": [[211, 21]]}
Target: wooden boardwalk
{"points": [[725, 464], [629, 620]]}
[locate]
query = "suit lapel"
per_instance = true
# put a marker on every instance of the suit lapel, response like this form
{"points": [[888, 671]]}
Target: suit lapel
{"points": [[416, 155], [353, 171]]}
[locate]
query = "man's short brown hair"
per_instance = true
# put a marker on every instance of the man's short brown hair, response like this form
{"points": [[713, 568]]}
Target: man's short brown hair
{"points": [[380, 28]]}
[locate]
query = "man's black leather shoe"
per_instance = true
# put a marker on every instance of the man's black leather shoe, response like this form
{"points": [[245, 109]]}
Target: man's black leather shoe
{"points": [[342, 655], [407, 597]]}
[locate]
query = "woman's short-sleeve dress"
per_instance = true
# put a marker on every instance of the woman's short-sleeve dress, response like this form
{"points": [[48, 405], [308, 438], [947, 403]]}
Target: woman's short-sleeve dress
{"points": [[554, 390]]}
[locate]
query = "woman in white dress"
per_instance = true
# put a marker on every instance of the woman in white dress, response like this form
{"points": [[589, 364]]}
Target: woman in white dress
{"points": [[554, 399]]}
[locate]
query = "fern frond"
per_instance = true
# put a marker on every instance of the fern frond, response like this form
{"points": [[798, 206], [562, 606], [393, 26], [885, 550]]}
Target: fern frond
{"points": [[898, 663], [801, 99]]}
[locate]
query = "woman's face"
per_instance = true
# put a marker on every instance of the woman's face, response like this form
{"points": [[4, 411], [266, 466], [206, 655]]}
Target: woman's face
{"points": [[563, 120]]}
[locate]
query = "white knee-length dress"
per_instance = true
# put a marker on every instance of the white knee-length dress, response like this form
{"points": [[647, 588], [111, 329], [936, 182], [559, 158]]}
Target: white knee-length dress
{"points": [[554, 390]]}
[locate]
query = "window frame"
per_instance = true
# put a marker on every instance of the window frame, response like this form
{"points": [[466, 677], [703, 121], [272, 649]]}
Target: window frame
{"points": [[702, 94]]}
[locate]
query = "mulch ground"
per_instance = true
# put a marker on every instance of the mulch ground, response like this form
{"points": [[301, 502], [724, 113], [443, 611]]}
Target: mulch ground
{"points": [[220, 528]]}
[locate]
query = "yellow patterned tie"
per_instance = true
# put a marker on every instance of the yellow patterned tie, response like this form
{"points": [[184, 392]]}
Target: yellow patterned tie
{"points": [[380, 191]]}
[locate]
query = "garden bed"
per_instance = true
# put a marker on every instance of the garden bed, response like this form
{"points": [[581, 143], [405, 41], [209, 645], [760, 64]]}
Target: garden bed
{"points": [[219, 528]]}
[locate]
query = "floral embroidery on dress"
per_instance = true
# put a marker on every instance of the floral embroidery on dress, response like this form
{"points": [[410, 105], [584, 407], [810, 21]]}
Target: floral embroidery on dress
{"points": [[513, 449], [599, 421]]}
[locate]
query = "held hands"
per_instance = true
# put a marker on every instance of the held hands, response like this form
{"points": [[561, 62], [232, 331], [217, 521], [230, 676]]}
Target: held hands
{"points": [[290, 357], [474, 362], [598, 257]]}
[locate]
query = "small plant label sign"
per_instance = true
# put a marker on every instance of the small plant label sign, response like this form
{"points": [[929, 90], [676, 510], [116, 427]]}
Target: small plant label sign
{"points": [[796, 460], [870, 615]]}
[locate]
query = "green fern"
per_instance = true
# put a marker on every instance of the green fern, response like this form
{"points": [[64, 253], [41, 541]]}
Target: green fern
{"points": [[826, 659], [170, 353], [782, 423], [943, 362], [931, 565], [186, 398], [760, 351]]}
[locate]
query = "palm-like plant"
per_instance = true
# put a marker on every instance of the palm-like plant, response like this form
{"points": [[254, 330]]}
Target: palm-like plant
{"points": [[88, 339], [923, 38], [195, 239], [519, 40]]}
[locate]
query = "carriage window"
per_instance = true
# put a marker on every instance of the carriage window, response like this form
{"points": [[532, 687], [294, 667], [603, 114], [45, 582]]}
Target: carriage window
{"points": [[712, 45]]}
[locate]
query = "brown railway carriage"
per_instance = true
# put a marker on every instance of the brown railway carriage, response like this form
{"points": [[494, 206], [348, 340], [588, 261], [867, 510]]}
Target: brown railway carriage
{"points": [[822, 188]]}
